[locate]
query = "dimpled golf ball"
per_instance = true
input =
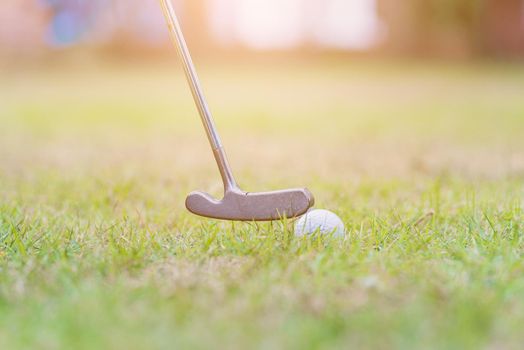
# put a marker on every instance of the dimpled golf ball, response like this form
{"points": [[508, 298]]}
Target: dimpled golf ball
{"points": [[319, 221]]}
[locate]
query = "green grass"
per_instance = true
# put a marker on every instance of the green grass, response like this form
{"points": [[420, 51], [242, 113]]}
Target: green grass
{"points": [[424, 162]]}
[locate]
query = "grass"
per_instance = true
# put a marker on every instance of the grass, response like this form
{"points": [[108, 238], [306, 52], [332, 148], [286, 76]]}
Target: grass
{"points": [[424, 163]]}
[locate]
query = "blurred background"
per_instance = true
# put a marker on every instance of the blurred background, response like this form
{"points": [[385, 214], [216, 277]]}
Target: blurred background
{"points": [[443, 28], [365, 88]]}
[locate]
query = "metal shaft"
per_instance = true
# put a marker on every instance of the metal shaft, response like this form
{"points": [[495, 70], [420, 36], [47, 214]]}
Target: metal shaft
{"points": [[177, 36]]}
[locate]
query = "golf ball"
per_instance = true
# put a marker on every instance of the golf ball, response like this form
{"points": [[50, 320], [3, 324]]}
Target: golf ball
{"points": [[319, 221]]}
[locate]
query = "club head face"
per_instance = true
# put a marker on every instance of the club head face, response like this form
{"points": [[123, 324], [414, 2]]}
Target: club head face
{"points": [[243, 206]]}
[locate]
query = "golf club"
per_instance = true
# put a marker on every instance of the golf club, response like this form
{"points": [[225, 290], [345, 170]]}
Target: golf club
{"points": [[236, 204]]}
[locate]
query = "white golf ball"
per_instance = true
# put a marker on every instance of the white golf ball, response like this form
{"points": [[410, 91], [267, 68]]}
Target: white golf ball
{"points": [[321, 221]]}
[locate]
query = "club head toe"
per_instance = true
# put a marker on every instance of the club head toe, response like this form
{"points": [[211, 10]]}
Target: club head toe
{"points": [[198, 202]]}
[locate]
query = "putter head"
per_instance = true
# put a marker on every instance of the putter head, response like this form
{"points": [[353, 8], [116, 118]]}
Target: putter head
{"points": [[243, 206]]}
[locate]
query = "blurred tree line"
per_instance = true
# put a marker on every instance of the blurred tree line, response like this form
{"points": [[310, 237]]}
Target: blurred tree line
{"points": [[454, 27], [450, 28]]}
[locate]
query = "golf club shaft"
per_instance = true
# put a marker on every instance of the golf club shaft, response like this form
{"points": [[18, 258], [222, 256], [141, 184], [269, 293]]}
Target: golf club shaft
{"points": [[198, 95]]}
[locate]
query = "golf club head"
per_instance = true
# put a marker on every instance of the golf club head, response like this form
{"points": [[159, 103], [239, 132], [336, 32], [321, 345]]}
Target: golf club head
{"points": [[243, 206]]}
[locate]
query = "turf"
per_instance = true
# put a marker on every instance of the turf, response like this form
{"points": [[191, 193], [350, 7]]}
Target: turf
{"points": [[424, 163]]}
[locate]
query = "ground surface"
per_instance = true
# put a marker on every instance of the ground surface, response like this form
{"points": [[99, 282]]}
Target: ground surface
{"points": [[424, 162]]}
